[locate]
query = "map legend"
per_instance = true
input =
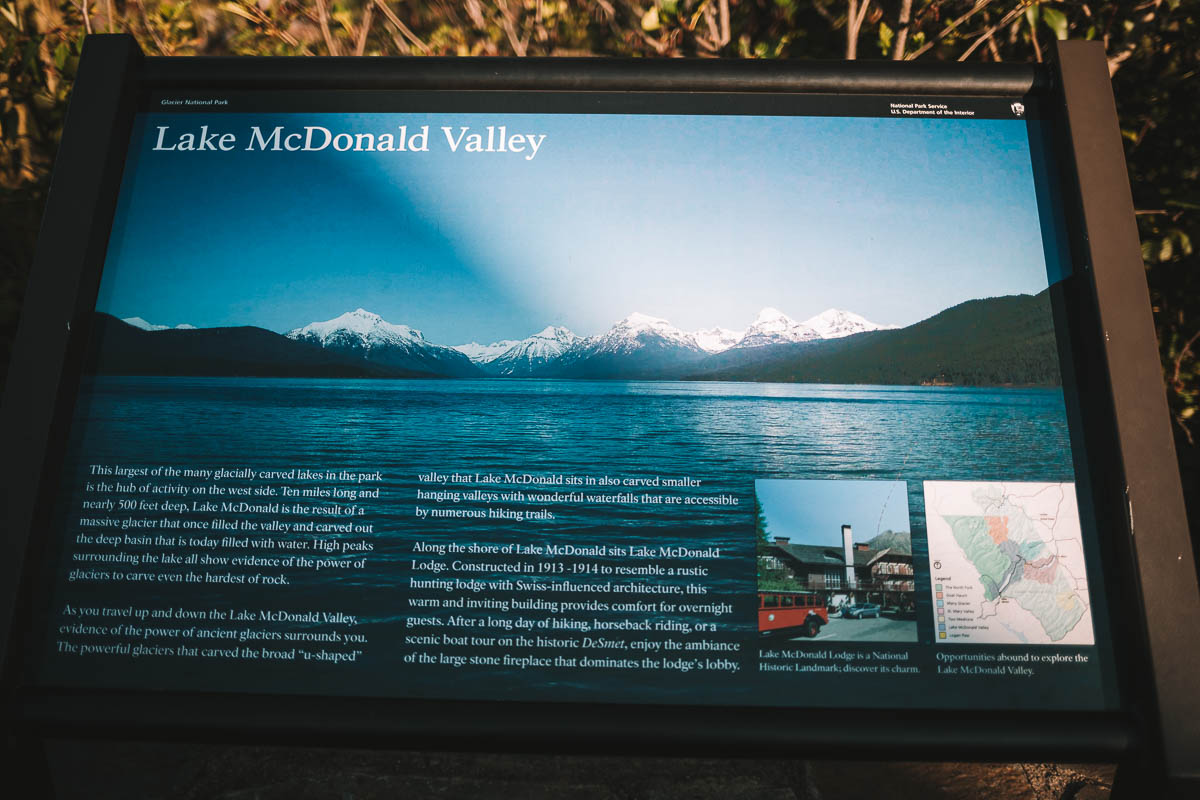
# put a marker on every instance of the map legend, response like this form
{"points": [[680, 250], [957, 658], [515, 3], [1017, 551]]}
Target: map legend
{"points": [[940, 597]]}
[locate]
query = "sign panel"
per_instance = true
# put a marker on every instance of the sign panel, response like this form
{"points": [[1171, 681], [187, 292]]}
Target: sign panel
{"points": [[702, 400]]}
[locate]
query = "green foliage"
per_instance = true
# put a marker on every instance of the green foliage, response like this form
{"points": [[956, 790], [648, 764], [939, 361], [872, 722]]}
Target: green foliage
{"points": [[771, 574], [780, 583], [760, 524], [886, 35], [1056, 21], [1158, 97]]}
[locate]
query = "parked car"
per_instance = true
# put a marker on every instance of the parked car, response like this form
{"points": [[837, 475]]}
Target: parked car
{"points": [[861, 610]]}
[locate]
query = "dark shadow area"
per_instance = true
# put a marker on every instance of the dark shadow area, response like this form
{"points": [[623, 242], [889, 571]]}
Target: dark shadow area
{"points": [[110, 770]]}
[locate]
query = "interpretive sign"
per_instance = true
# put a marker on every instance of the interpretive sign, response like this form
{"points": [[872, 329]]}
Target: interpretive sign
{"points": [[412, 396], [761, 398]]}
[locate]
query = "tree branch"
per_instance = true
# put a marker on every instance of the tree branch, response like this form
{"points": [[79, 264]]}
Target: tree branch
{"points": [[902, 30], [854, 21], [400, 26], [1187, 348], [256, 15], [979, 6], [986, 36], [162, 48], [710, 20], [323, 20], [1132, 36], [475, 12], [510, 31], [1037, 48], [360, 47], [995, 51]]}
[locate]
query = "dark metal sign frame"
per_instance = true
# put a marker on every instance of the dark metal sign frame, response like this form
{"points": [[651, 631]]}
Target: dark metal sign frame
{"points": [[1139, 505]]}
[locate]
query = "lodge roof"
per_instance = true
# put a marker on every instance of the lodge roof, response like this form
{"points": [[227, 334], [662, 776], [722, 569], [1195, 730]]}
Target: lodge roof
{"points": [[832, 556]]}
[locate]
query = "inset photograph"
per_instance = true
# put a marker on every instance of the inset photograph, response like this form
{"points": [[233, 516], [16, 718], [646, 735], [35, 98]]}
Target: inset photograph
{"points": [[835, 561]]}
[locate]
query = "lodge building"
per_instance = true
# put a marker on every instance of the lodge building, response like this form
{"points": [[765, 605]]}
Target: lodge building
{"points": [[852, 573]]}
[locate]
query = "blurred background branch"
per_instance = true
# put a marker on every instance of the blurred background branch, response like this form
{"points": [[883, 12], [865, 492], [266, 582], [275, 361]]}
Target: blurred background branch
{"points": [[1153, 49]]}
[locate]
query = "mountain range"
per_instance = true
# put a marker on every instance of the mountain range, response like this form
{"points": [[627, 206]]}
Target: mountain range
{"points": [[770, 327], [993, 341], [138, 322], [361, 335], [119, 348], [896, 541]]}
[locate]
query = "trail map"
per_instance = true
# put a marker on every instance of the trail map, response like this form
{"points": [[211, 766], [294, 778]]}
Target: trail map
{"points": [[1006, 561]]}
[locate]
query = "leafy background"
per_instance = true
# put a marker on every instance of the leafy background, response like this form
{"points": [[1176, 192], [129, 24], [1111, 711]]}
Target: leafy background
{"points": [[1152, 46]]}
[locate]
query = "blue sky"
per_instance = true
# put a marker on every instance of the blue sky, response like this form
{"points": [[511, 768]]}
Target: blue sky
{"points": [[813, 512], [703, 220]]}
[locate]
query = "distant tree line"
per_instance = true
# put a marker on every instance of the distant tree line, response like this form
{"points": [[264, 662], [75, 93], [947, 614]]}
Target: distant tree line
{"points": [[1153, 49]]}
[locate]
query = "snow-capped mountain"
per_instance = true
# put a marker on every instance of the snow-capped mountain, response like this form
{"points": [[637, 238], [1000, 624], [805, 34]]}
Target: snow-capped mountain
{"points": [[834, 323], [358, 328], [772, 326], [138, 322], [483, 353], [637, 346], [638, 331], [368, 336], [529, 356], [717, 340]]}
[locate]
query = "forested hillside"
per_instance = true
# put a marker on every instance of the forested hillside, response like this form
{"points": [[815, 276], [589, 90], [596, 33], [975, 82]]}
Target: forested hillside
{"points": [[991, 342]]}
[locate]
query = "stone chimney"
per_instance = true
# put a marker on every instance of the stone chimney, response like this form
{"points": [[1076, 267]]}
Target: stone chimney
{"points": [[782, 539], [848, 552]]}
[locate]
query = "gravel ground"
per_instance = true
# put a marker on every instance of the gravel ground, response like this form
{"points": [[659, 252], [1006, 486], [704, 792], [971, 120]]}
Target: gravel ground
{"points": [[104, 770]]}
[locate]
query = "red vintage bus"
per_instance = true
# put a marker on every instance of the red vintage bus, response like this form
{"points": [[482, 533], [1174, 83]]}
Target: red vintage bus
{"points": [[783, 611]]}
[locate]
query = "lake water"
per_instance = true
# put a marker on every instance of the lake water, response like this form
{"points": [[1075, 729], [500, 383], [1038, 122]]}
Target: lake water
{"points": [[726, 434]]}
